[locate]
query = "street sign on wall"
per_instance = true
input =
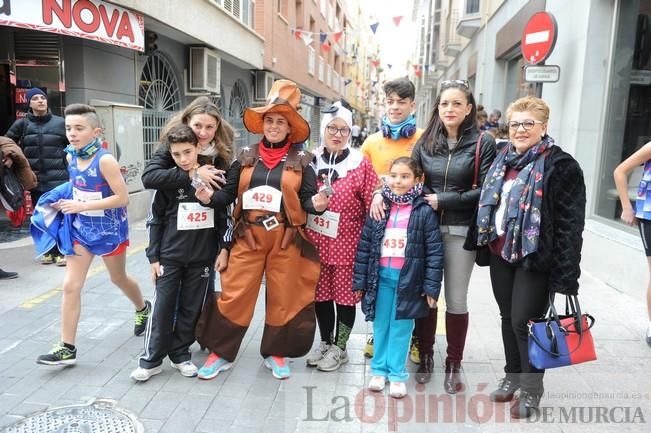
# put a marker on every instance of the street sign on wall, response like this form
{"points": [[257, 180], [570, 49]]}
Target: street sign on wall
{"points": [[542, 73], [539, 37]]}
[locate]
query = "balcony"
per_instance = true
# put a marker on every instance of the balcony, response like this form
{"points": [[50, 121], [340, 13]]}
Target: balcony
{"points": [[468, 25], [452, 48]]}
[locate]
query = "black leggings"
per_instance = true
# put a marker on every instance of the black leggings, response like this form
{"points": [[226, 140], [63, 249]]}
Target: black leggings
{"points": [[325, 316], [521, 295], [645, 234]]}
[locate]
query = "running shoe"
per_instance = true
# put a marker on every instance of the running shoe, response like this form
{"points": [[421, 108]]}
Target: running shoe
{"points": [[141, 319], [278, 365], [214, 365], [59, 355]]}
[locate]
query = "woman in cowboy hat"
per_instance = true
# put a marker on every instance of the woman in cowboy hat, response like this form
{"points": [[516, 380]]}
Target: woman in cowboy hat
{"points": [[276, 188]]}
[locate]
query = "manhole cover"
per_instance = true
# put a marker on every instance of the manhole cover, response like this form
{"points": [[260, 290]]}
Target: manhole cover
{"points": [[98, 416]]}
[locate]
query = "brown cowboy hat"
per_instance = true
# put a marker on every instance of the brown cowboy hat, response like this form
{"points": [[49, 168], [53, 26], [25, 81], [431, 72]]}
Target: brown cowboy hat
{"points": [[283, 98]]}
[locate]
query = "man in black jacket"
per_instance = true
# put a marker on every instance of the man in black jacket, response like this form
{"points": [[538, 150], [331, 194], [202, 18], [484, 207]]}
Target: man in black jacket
{"points": [[42, 137]]}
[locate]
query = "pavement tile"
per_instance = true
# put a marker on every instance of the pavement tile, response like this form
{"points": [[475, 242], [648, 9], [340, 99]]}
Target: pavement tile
{"points": [[161, 405]]}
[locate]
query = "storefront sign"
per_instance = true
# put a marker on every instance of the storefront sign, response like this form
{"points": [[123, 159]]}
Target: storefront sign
{"points": [[539, 37], [89, 19], [542, 73]]}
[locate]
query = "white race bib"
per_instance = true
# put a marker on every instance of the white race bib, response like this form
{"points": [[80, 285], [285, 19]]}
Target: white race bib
{"points": [[326, 224], [88, 196], [394, 243], [262, 198], [193, 216]]}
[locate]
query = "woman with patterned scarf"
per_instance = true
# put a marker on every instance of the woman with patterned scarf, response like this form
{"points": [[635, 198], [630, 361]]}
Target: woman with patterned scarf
{"points": [[531, 216]]}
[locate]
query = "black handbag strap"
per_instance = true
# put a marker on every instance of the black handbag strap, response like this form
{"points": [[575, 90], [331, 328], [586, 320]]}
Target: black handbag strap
{"points": [[571, 305], [475, 179]]}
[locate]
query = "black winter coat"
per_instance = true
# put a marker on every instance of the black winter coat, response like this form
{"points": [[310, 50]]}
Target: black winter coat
{"points": [[42, 139], [449, 175], [421, 273], [561, 223]]}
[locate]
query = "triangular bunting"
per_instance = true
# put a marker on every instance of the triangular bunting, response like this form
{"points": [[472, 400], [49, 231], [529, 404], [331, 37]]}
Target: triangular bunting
{"points": [[307, 38], [375, 63], [337, 36], [396, 20], [323, 36], [325, 46], [374, 27], [389, 65], [298, 34], [347, 81]]}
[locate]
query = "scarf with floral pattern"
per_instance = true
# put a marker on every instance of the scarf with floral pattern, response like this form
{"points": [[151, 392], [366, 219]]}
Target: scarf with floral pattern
{"points": [[521, 222]]}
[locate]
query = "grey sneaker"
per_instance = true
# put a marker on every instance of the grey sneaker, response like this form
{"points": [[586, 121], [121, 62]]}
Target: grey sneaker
{"points": [[317, 354], [334, 358], [648, 336]]}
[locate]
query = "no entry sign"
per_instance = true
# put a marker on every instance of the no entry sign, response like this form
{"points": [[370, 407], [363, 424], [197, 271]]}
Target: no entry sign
{"points": [[539, 37]]}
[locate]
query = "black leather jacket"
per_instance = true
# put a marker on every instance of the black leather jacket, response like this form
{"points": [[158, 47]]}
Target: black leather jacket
{"points": [[449, 175]]}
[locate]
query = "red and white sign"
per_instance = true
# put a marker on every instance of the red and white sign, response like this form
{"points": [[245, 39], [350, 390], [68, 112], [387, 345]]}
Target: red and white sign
{"points": [[90, 19], [539, 37]]}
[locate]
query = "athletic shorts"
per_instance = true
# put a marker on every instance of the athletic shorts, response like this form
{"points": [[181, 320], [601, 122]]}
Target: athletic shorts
{"points": [[116, 252], [645, 233]]}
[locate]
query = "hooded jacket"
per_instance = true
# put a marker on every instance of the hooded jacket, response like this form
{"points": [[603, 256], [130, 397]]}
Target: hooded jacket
{"points": [[43, 140], [421, 273]]}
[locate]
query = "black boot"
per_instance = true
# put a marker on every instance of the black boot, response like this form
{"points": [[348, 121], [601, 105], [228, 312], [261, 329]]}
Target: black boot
{"points": [[506, 388], [526, 404], [453, 382], [424, 373]]}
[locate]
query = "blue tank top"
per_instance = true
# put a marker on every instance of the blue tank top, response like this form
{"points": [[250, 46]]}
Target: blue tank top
{"points": [[643, 200], [99, 231]]}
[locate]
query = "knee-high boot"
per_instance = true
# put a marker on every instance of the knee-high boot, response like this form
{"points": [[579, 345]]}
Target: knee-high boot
{"points": [[456, 329], [426, 332]]}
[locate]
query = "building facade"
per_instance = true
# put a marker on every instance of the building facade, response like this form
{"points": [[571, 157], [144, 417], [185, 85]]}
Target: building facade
{"points": [[600, 106]]}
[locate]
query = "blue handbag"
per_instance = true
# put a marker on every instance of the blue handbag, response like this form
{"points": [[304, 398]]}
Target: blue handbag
{"points": [[559, 341]]}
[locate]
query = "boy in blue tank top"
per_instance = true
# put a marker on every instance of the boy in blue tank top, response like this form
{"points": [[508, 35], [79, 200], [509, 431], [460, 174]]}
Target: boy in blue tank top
{"points": [[99, 227]]}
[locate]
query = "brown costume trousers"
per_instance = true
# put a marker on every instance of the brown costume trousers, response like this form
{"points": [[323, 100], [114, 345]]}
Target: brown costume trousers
{"points": [[289, 299]]}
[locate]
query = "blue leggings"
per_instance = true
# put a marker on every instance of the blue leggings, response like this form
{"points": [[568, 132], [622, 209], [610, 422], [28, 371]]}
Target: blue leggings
{"points": [[391, 336]]}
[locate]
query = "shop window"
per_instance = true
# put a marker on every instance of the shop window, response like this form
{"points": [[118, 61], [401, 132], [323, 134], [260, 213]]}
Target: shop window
{"points": [[629, 102], [159, 94], [239, 100]]}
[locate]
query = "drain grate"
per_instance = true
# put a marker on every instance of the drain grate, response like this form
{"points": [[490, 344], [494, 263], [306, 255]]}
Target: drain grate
{"points": [[98, 416]]}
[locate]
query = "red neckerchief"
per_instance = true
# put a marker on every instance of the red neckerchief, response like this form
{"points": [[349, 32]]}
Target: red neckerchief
{"points": [[271, 156]]}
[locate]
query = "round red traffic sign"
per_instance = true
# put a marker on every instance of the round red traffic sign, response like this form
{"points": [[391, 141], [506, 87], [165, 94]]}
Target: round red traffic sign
{"points": [[539, 37]]}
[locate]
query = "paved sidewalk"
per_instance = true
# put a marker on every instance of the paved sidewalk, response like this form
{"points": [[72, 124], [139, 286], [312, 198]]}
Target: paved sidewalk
{"points": [[612, 394]]}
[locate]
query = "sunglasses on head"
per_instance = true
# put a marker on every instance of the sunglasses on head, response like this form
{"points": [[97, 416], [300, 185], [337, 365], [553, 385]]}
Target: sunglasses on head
{"points": [[455, 83]]}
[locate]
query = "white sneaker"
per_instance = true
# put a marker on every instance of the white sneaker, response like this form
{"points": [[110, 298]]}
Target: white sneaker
{"points": [[377, 383], [144, 374], [186, 368], [317, 354], [397, 389], [648, 335]]}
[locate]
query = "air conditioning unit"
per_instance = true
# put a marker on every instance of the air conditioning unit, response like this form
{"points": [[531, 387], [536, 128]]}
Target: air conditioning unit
{"points": [[263, 82], [205, 70]]}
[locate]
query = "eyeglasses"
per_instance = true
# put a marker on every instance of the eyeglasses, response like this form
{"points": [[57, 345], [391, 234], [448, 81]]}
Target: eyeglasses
{"points": [[527, 124], [332, 130], [455, 83]]}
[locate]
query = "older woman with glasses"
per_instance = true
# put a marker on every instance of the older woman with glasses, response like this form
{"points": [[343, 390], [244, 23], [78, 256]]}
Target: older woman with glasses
{"points": [[531, 216], [455, 157], [349, 178]]}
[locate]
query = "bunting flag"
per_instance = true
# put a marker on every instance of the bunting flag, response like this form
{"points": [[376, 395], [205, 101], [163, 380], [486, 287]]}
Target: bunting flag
{"points": [[374, 27], [337, 36], [375, 63], [297, 34], [418, 73], [374, 83], [396, 20], [322, 37], [347, 81], [389, 65], [325, 46], [307, 39], [416, 66]]}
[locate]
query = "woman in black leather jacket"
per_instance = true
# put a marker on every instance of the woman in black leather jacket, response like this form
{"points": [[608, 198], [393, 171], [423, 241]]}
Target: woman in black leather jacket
{"points": [[447, 152]]}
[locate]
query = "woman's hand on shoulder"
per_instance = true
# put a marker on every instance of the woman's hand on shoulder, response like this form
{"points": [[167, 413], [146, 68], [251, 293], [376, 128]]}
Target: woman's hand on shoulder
{"points": [[211, 176], [377, 207], [432, 200]]}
